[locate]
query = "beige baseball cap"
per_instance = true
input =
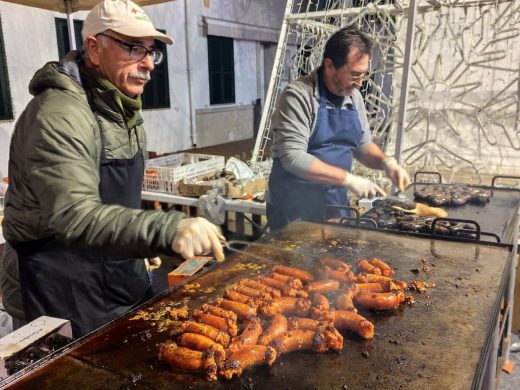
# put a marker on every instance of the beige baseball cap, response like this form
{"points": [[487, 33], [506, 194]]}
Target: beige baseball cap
{"points": [[124, 17]]}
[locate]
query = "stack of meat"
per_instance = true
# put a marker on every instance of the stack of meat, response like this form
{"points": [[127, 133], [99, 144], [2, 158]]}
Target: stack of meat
{"points": [[288, 310]]}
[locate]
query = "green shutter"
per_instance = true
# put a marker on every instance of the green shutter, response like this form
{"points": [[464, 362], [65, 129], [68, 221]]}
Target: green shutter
{"points": [[62, 34], [157, 92], [221, 65]]}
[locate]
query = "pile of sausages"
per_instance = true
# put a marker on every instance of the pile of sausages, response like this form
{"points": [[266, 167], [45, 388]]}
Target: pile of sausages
{"points": [[288, 310]]}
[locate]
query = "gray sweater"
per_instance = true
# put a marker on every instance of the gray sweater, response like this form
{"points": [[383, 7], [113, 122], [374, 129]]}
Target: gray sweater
{"points": [[294, 121]]}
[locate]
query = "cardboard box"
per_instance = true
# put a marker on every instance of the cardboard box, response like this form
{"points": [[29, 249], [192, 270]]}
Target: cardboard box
{"points": [[251, 188], [226, 189], [28, 335]]}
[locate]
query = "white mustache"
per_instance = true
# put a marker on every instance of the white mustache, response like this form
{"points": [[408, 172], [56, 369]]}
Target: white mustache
{"points": [[143, 75]]}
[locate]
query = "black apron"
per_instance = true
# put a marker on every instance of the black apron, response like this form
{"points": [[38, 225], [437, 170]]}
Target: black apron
{"points": [[336, 135], [81, 285]]}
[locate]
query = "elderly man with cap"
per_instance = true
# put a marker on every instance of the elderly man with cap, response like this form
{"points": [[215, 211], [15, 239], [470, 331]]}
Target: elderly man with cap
{"points": [[76, 236]]}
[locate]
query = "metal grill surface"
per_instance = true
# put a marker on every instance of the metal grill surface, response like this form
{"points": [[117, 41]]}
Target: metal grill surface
{"points": [[440, 342], [498, 216]]}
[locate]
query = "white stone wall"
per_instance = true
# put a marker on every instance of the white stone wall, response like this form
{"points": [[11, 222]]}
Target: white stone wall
{"points": [[30, 41]]}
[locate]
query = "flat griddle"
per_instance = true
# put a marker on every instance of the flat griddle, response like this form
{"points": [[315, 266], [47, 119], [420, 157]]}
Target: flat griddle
{"points": [[497, 218], [440, 342]]}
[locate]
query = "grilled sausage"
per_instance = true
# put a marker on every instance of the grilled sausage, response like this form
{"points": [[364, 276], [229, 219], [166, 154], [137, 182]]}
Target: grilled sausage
{"points": [[291, 281], [225, 324], [201, 343], [263, 287], [322, 286], [249, 356], [379, 301], [363, 277], [377, 287], [286, 306], [235, 296], [386, 270], [371, 278], [340, 276], [320, 341], [354, 322], [218, 311], [241, 309], [189, 360], [283, 287], [252, 292], [278, 326], [293, 340], [364, 266], [304, 276], [335, 264], [252, 330], [303, 323], [344, 300], [206, 330]]}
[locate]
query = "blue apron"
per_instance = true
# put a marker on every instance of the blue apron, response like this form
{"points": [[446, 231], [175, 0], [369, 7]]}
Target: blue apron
{"points": [[82, 285], [337, 133]]}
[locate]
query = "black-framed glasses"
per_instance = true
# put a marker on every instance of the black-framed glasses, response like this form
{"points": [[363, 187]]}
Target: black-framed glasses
{"points": [[357, 76], [138, 52]]}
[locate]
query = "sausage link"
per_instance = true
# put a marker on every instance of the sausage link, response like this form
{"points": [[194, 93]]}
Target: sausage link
{"points": [[379, 301], [354, 322], [335, 264], [278, 326], [263, 287], [364, 266], [286, 306], [250, 335], [242, 310], [304, 276], [291, 281], [249, 356], [322, 286], [218, 311], [386, 270], [225, 324], [198, 342], [206, 330], [303, 323], [189, 360]]}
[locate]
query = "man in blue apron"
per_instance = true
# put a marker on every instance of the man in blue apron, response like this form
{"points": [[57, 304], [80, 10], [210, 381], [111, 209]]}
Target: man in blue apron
{"points": [[76, 237], [319, 125]]}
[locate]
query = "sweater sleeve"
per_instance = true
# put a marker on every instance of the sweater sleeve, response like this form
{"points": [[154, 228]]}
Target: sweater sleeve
{"points": [[292, 126]]}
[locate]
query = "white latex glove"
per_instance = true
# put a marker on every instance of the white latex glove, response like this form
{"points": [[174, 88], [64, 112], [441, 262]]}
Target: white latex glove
{"points": [[197, 236], [361, 187], [396, 173]]}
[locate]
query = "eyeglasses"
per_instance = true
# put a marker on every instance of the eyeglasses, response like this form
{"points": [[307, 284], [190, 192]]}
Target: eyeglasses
{"points": [[357, 76], [138, 52]]}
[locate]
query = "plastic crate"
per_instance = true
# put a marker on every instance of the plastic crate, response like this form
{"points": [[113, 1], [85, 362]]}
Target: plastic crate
{"points": [[163, 174]]}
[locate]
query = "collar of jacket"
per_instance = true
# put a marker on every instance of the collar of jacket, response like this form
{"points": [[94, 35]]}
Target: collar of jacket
{"points": [[110, 95]]}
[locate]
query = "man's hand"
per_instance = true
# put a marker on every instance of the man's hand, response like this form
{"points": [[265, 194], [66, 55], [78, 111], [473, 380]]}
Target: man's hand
{"points": [[362, 188], [196, 236], [396, 173]]}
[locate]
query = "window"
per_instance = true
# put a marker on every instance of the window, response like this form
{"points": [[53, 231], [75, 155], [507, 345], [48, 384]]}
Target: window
{"points": [[157, 91], [6, 110], [62, 34], [221, 63]]}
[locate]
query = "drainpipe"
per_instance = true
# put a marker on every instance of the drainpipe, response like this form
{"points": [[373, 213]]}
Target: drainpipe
{"points": [[193, 135], [70, 26]]}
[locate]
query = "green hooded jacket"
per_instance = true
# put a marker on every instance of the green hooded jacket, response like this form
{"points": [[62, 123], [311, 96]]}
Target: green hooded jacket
{"points": [[54, 178]]}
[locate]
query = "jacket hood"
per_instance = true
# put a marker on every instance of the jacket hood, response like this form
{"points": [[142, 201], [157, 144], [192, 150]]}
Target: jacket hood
{"points": [[58, 75]]}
